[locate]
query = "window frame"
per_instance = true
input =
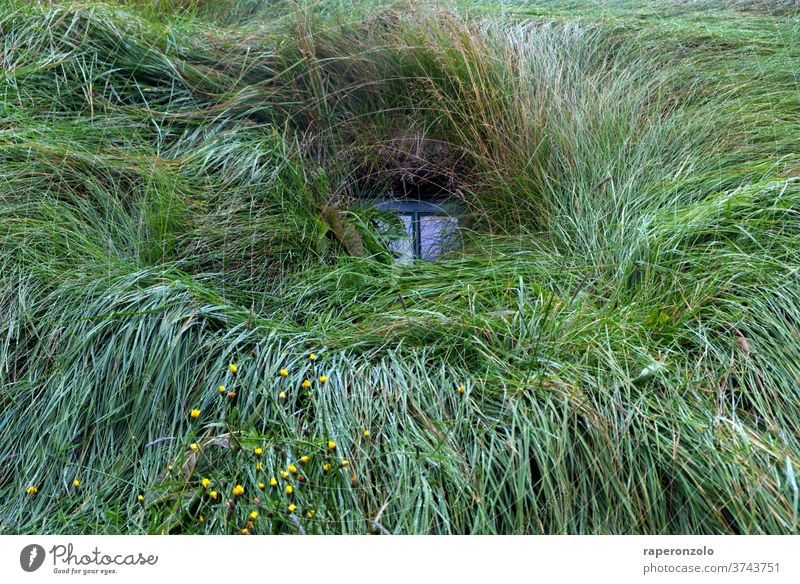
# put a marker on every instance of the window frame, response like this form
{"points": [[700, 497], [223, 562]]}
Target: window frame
{"points": [[416, 208]]}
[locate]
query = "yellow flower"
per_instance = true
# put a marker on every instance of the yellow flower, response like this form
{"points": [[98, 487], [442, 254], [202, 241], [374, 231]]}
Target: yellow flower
{"points": [[289, 489], [345, 462], [331, 445], [282, 395], [232, 367], [310, 514], [201, 518], [194, 414], [312, 356], [222, 389], [306, 384], [284, 474], [461, 389], [205, 483], [259, 466], [245, 531], [140, 498], [213, 495], [326, 467], [238, 490], [194, 446], [273, 482], [169, 468], [231, 394], [305, 458], [292, 468], [76, 483], [31, 490], [284, 373], [258, 451], [366, 433], [254, 515], [323, 379], [261, 485], [292, 508]]}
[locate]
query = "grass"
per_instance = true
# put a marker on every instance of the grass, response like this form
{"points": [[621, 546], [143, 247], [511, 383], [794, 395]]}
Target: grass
{"points": [[177, 187]]}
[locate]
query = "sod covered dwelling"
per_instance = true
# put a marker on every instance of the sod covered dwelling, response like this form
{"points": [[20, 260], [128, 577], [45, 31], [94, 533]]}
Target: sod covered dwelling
{"points": [[375, 267]]}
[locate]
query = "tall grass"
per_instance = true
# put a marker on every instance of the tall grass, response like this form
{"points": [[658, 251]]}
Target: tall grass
{"points": [[623, 317]]}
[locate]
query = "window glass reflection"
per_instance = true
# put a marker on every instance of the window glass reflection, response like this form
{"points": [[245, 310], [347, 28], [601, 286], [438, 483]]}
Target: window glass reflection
{"points": [[403, 249], [436, 235]]}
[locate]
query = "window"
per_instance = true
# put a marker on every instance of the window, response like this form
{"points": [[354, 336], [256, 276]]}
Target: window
{"points": [[431, 228]]}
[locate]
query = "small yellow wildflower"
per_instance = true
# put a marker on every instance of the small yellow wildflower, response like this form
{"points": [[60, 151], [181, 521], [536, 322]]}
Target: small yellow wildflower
{"points": [[284, 474], [282, 395], [200, 518], [284, 373], [261, 485], [289, 489], [213, 495], [326, 467], [254, 515], [259, 466], [305, 458], [76, 483], [310, 514], [245, 531], [194, 446], [292, 508], [331, 445], [366, 433], [345, 462], [31, 490], [306, 384], [194, 414], [323, 379], [461, 389], [169, 468], [238, 490], [292, 468], [205, 483], [273, 482], [222, 389], [258, 451], [233, 368], [140, 498], [312, 357]]}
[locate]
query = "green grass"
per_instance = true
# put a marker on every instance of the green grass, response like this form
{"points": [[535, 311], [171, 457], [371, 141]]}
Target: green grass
{"points": [[177, 187]]}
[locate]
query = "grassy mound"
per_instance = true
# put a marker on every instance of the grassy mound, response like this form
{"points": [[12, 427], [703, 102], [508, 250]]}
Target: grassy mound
{"points": [[613, 351]]}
